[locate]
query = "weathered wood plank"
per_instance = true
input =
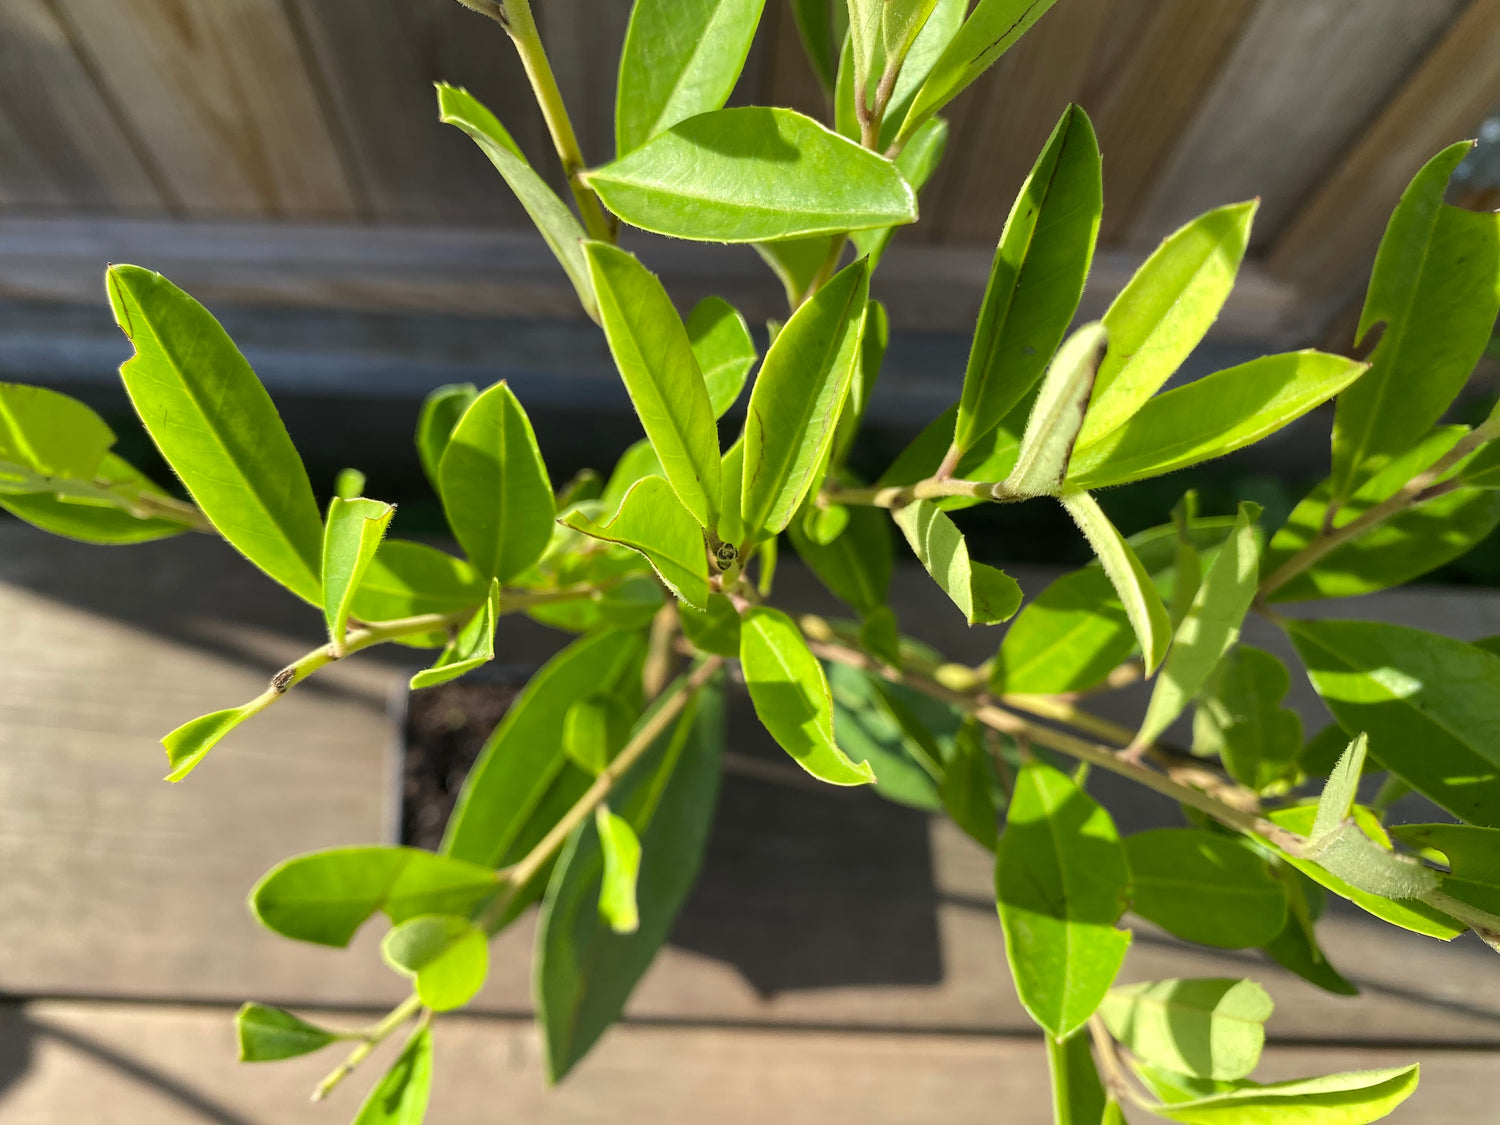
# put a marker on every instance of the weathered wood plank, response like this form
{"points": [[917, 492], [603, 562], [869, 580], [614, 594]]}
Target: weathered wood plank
{"points": [[219, 96], [1279, 114], [61, 146]]}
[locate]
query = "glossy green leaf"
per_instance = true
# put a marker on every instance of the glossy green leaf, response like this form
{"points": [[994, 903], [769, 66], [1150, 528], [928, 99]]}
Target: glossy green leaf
{"points": [[190, 743], [984, 594], [653, 522], [595, 730], [796, 262], [1212, 416], [946, 17], [1436, 290], [1077, 1094], [1164, 313], [549, 214], [266, 1034], [874, 338], [101, 515], [1070, 637], [1038, 273], [1296, 947], [400, 1097], [713, 630], [640, 460], [750, 175], [446, 955], [732, 486], [1211, 626], [1483, 470], [916, 163], [51, 434], [440, 412], [1205, 1028], [622, 867], [585, 971], [791, 696], [523, 756], [655, 359], [865, 724], [1057, 414], [1204, 887], [1472, 855], [216, 426], [966, 785], [1240, 719], [725, 352], [348, 484], [1337, 1099], [1426, 702], [794, 407], [474, 645], [679, 60], [856, 566], [1061, 883], [494, 486], [406, 579], [350, 540], [325, 896], [1143, 604]]}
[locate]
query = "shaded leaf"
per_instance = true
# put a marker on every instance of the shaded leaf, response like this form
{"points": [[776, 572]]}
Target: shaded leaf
{"points": [[350, 540], [1068, 638], [1143, 604], [716, 629], [447, 956], [1206, 1028], [984, 594], [400, 1097], [1204, 887], [1472, 855], [266, 1034], [1240, 719], [1057, 415], [406, 579], [440, 412], [916, 163], [103, 517], [474, 645], [622, 865], [725, 352], [965, 787], [654, 523], [1077, 1094], [855, 566]]}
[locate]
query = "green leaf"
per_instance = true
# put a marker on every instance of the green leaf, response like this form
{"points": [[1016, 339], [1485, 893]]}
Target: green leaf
{"points": [[103, 517], [640, 460], [549, 214], [679, 59], [1060, 883], [440, 412], [585, 971], [190, 743], [1070, 637], [1211, 626], [991, 29], [267, 1034], [1240, 719], [1296, 947], [794, 407], [991, 458], [732, 485], [965, 787], [350, 540], [796, 262], [217, 428], [1349, 854], [821, 25], [494, 486], [1483, 469], [941, 26], [1143, 605], [1426, 701], [1436, 289], [856, 566], [1040, 265], [622, 867], [916, 163], [1057, 415], [1205, 1028], [325, 896], [655, 359], [474, 645], [1164, 313], [654, 523], [524, 755], [400, 1097], [713, 630], [1337, 1099], [1077, 1095], [1204, 887], [447, 957], [723, 348], [753, 174], [1212, 416], [1336, 802], [791, 696], [986, 595], [1472, 855], [50, 433], [595, 730], [406, 579], [865, 722]]}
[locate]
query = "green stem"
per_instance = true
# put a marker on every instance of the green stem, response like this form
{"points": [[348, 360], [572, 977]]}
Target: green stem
{"points": [[369, 1040], [900, 496]]}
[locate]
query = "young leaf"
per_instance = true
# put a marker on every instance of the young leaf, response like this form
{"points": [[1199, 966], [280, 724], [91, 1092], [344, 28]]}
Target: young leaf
{"points": [[725, 352], [325, 896], [1212, 416], [440, 412], [1211, 626], [348, 484], [1337, 1099], [494, 486], [874, 338], [1350, 855], [1336, 802], [190, 743], [916, 163], [856, 566], [732, 486], [1040, 265], [1164, 313], [942, 25], [595, 729], [1057, 414], [549, 214], [400, 1097], [1296, 947], [1240, 719], [654, 523], [474, 645], [1077, 1094], [1204, 887], [114, 483], [267, 1034], [965, 787], [50, 434], [1472, 855], [406, 579], [716, 629], [791, 697], [216, 427], [354, 531], [794, 407], [1426, 702], [986, 595], [447, 957], [753, 174], [1060, 884], [655, 359], [1205, 1028], [865, 722], [640, 460], [795, 262], [1436, 289], [622, 867], [1143, 605], [679, 60], [1070, 637]]}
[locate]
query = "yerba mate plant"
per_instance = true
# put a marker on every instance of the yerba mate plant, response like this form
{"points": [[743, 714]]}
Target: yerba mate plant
{"points": [[595, 794]]}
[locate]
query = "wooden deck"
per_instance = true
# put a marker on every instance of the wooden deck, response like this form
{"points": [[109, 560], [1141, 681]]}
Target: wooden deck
{"points": [[840, 960]]}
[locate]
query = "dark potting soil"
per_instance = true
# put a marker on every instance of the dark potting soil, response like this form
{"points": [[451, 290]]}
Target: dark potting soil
{"points": [[446, 728]]}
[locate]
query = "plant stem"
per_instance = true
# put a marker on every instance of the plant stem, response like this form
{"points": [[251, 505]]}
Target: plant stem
{"points": [[1112, 1071], [825, 271], [899, 496], [369, 1040]]}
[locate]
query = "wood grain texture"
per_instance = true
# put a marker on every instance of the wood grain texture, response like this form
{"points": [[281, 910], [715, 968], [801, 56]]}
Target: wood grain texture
{"points": [[61, 145], [1327, 246], [583, 40], [1279, 115], [219, 96]]}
